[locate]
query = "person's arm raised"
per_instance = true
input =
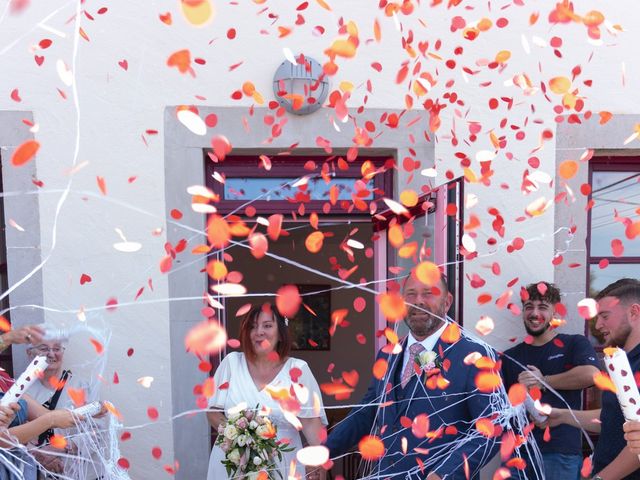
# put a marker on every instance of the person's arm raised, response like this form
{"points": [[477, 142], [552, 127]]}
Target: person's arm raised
{"points": [[62, 418], [588, 420], [28, 334], [623, 465]]}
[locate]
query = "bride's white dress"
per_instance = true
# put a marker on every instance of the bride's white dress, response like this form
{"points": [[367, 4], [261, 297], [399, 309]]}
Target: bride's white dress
{"points": [[240, 388]]}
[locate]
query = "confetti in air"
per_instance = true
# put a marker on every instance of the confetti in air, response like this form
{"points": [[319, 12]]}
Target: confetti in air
{"points": [[158, 183]]}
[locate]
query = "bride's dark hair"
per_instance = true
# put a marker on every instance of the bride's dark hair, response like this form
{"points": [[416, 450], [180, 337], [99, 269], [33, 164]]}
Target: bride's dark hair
{"points": [[248, 323]]}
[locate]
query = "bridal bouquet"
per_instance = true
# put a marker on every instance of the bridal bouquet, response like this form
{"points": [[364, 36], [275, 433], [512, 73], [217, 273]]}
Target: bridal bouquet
{"points": [[250, 448]]}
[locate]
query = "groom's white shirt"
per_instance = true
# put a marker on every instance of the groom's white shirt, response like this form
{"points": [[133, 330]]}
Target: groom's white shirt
{"points": [[428, 343]]}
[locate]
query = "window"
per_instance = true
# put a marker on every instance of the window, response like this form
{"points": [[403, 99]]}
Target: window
{"points": [[615, 198], [285, 184], [270, 189]]}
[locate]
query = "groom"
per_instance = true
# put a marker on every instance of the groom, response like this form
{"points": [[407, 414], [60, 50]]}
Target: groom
{"points": [[450, 446]]}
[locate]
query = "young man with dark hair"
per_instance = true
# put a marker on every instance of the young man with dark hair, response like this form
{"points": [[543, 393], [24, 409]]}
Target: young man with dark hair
{"points": [[618, 320], [551, 360]]}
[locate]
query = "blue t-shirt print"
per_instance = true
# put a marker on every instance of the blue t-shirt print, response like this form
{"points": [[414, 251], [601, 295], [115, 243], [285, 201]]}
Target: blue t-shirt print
{"points": [[559, 355]]}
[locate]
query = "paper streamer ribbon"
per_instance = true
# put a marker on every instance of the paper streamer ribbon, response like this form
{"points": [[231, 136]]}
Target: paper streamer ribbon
{"points": [[30, 375]]}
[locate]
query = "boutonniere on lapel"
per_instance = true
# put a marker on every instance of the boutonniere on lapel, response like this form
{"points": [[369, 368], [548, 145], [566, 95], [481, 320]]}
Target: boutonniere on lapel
{"points": [[428, 362], [432, 365]]}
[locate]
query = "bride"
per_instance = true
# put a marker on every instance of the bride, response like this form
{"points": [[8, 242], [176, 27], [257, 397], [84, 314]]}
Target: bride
{"points": [[263, 367]]}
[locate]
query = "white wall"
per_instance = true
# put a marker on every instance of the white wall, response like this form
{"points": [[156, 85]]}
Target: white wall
{"points": [[114, 108]]}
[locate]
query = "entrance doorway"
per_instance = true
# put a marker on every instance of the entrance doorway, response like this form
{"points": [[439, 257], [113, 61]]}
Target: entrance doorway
{"points": [[339, 195]]}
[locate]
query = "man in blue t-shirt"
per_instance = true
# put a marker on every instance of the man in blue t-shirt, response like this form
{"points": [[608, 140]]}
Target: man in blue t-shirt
{"points": [[550, 360], [618, 320]]}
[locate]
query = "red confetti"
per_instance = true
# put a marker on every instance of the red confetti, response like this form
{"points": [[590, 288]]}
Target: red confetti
{"points": [[97, 345], [211, 120], [181, 60], [288, 300], [58, 441], [371, 448], [156, 452], [585, 471], [112, 304], [517, 394], [102, 185], [380, 368], [24, 153], [617, 248]]}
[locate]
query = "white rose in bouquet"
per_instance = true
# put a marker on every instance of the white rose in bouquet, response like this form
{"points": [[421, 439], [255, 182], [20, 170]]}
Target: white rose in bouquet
{"points": [[257, 460], [230, 432], [253, 424], [262, 430], [242, 440], [234, 456]]}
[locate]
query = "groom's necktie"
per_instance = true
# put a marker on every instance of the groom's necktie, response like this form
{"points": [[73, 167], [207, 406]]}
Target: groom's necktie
{"points": [[409, 369]]}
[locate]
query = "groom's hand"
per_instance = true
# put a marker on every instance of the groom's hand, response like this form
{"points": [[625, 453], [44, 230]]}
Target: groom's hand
{"points": [[433, 476]]}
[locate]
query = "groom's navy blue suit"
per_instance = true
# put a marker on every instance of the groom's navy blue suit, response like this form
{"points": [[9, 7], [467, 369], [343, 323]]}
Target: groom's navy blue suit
{"points": [[460, 405]]}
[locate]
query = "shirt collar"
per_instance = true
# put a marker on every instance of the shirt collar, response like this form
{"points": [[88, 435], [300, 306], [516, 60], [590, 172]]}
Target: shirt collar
{"points": [[428, 343]]}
